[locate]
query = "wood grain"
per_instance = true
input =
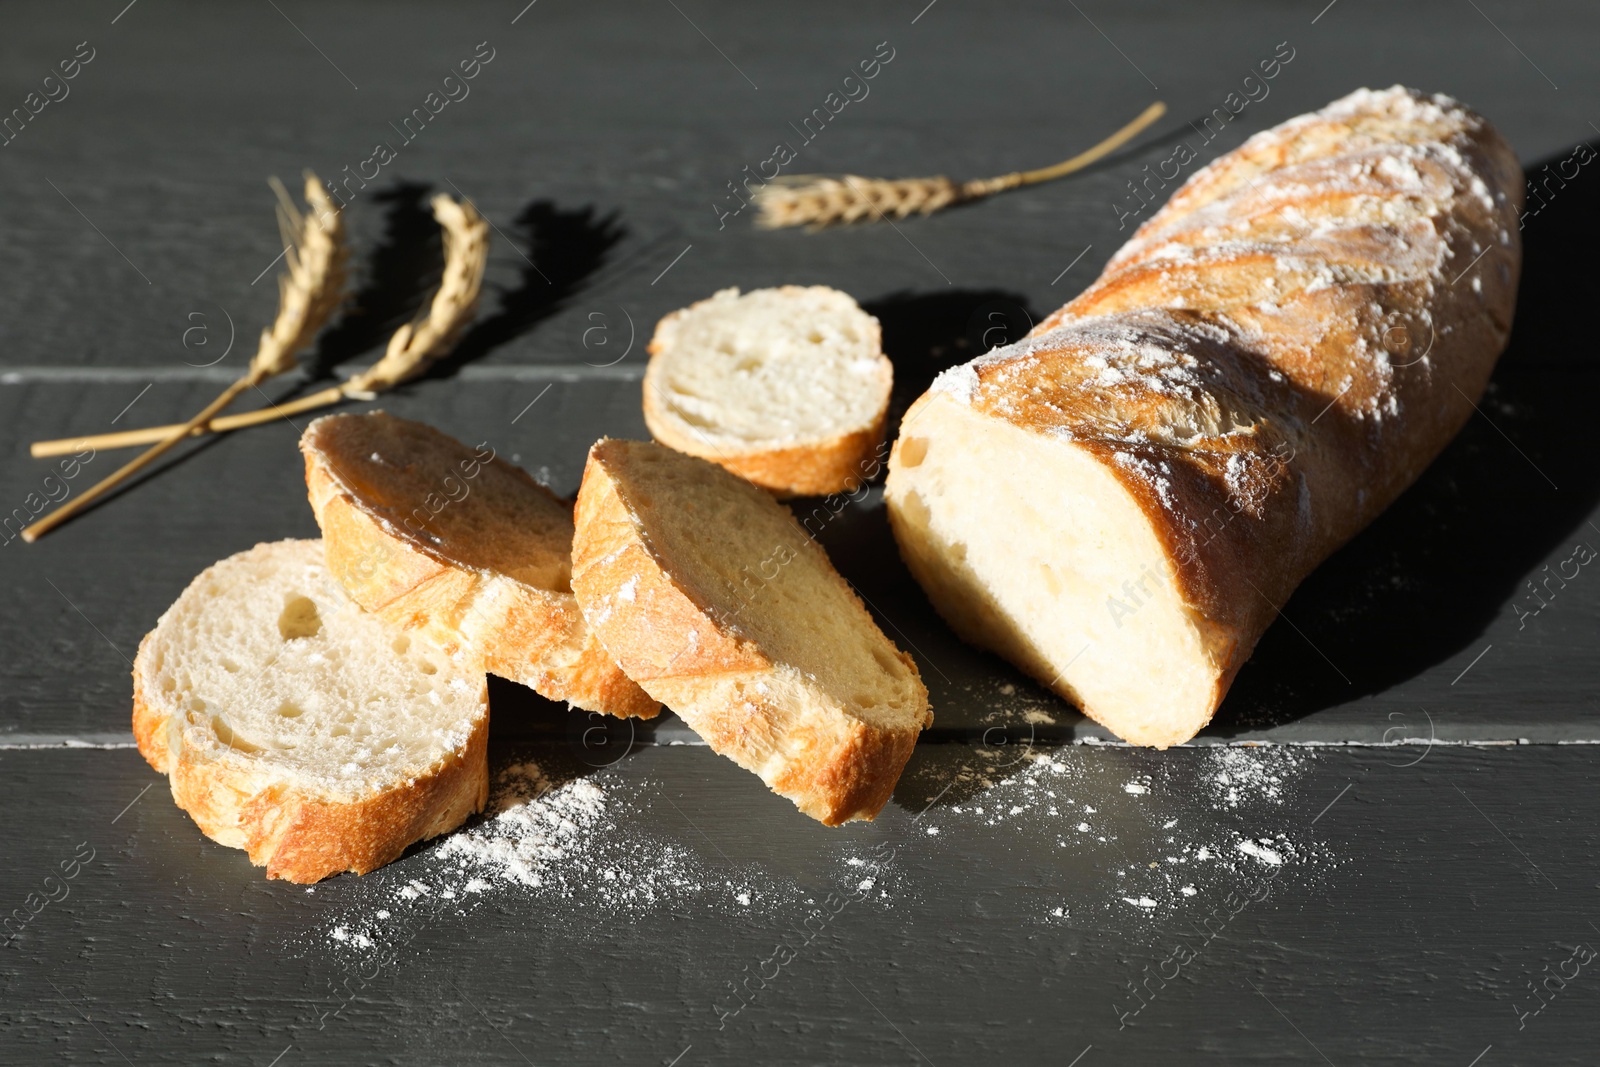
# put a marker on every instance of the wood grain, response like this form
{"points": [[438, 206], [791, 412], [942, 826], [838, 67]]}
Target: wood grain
{"points": [[599, 146]]}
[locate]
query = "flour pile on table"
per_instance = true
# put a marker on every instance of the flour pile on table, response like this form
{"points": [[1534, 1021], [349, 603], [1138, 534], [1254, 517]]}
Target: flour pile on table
{"points": [[574, 842], [579, 840], [531, 825]]}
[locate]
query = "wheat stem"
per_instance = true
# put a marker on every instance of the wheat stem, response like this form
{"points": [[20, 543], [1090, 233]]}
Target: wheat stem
{"points": [[817, 201], [122, 473], [221, 424], [309, 292], [986, 186]]}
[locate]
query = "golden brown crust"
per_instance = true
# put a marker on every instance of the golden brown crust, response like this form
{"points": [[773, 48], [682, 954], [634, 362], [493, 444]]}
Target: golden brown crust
{"points": [[149, 724], [679, 638], [512, 628], [296, 834], [834, 767], [838, 770], [833, 464], [814, 468], [1281, 350]]}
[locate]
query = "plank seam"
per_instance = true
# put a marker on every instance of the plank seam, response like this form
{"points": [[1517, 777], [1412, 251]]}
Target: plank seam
{"points": [[526, 372]]}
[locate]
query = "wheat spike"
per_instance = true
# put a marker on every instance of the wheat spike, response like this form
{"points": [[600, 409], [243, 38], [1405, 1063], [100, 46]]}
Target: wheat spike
{"points": [[312, 288], [416, 345], [818, 201], [808, 199], [307, 296], [411, 350]]}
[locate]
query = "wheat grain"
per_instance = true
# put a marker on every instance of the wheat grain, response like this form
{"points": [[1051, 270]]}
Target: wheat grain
{"points": [[411, 350], [818, 201], [416, 345], [312, 288]]}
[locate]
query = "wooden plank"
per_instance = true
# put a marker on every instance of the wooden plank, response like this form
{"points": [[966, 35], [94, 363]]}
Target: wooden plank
{"points": [[1412, 906], [1424, 626], [171, 169]]}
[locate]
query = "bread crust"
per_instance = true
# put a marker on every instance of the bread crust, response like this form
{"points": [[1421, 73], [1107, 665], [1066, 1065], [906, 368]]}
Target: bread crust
{"points": [[533, 636], [299, 833], [834, 767], [301, 837], [1303, 292], [149, 723], [833, 463]]}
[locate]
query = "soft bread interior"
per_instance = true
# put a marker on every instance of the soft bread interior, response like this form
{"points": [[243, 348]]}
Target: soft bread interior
{"points": [[265, 666], [1069, 582], [770, 368], [741, 556]]}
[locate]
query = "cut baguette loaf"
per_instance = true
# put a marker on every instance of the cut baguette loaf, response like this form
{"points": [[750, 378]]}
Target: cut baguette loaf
{"points": [[437, 537], [301, 729], [714, 599], [1121, 502], [788, 387]]}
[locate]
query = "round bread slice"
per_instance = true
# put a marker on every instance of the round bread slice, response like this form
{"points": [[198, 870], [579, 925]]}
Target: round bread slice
{"points": [[446, 539], [788, 388], [301, 729], [715, 600]]}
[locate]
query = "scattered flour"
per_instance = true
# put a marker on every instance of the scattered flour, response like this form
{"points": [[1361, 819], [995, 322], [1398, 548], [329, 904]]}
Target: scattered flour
{"points": [[1247, 775], [575, 842], [1177, 834], [533, 825], [1166, 840]]}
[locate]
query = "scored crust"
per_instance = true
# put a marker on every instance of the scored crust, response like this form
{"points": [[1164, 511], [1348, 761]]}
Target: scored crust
{"points": [[814, 466], [296, 830], [440, 574], [680, 643], [1271, 359]]}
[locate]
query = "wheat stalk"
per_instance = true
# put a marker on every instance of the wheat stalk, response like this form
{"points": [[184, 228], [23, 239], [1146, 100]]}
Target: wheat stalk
{"points": [[817, 201], [413, 348], [308, 294]]}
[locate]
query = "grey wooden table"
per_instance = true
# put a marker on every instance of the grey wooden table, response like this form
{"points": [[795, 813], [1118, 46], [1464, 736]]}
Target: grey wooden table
{"points": [[1400, 869]]}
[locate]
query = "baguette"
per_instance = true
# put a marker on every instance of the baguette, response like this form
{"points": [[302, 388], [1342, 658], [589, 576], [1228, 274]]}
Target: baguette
{"points": [[437, 537], [714, 599], [1121, 503], [299, 728], [788, 387]]}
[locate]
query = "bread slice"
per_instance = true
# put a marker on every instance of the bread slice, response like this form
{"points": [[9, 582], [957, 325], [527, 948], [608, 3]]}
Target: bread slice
{"points": [[714, 599], [438, 537], [301, 729], [786, 387]]}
